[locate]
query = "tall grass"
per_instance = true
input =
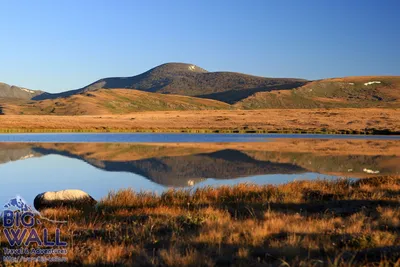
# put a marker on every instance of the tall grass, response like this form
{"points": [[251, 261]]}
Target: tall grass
{"points": [[302, 223]]}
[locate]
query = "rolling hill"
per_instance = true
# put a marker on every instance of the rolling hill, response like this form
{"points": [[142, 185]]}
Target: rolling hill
{"points": [[355, 92], [102, 101], [11, 91], [189, 80], [180, 86]]}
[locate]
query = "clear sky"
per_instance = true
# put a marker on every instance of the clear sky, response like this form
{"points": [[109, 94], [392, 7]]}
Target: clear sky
{"points": [[61, 45]]}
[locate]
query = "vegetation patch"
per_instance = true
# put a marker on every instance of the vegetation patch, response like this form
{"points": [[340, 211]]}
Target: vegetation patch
{"points": [[302, 223]]}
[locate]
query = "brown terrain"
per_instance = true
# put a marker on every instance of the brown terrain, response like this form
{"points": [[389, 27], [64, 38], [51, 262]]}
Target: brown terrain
{"points": [[178, 97], [349, 92], [189, 80], [116, 101], [357, 92], [302, 223], [373, 120]]}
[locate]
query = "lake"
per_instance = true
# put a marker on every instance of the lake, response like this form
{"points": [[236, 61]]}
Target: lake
{"points": [[97, 163]]}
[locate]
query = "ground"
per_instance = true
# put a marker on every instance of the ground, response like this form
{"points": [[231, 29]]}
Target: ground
{"points": [[302, 223], [346, 120]]}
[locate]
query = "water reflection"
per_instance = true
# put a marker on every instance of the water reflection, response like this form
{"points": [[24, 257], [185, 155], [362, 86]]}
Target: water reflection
{"points": [[36, 167]]}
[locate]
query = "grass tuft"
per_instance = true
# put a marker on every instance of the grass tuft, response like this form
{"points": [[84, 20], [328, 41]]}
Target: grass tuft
{"points": [[307, 223]]}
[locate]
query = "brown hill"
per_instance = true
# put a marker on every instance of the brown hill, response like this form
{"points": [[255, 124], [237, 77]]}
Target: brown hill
{"points": [[118, 101], [189, 80], [357, 92], [11, 91]]}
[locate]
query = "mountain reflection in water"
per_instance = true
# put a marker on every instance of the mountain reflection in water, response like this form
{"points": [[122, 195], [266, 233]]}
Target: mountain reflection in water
{"points": [[180, 164]]}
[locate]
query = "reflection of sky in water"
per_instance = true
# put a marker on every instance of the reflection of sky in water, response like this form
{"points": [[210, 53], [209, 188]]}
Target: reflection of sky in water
{"points": [[265, 179], [51, 173], [33, 176]]}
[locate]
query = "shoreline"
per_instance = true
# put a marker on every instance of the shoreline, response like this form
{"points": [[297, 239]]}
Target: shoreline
{"points": [[374, 132]]}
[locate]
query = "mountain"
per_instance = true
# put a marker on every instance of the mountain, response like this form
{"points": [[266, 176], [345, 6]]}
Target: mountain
{"points": [[180, 86], [356, 92], [102, 101], [11, 91], [189, 80]]}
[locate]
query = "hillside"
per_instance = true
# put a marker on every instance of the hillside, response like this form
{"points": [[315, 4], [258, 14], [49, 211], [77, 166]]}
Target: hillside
{"points": [[164, 88], [357, 92], [11, 91], [118, 101], [189, 80]]}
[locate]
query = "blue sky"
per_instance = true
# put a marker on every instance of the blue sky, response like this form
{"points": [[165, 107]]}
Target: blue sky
{"points": [[61, 45]]}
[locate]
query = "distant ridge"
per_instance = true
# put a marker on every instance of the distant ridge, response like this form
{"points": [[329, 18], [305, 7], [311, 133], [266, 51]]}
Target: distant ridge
{"points": [[11, 91], [189, 80]]}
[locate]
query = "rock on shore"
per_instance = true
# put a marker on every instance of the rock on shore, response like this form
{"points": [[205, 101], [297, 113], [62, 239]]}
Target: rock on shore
{"points": [[65, 198]]}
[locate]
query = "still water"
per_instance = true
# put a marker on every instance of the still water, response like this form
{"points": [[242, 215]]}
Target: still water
{"points": [[98, 163]]}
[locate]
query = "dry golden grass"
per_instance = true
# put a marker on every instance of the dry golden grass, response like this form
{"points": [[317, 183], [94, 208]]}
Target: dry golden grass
{"points": [[348, 92], [303, 223], [374, 120], [103, 101]]}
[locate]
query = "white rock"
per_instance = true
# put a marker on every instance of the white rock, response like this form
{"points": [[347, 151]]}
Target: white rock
{"points": [[70, 197], [70, 194]]}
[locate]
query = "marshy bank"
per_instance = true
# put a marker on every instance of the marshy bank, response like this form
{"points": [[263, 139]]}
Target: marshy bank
{"points": [[308, 223]]}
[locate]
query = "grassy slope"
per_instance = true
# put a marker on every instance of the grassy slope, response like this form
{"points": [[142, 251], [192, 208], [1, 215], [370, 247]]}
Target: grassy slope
{"points": [[118, 101], [317, 223], [11, 91], [330, 93]]}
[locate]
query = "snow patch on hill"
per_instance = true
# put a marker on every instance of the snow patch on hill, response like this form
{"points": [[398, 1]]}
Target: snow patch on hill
{"points": [[27, 156], [28, 91], [369, 83]]}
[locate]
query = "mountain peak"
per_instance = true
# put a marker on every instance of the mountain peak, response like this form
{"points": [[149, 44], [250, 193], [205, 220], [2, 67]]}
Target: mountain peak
{"points": [[175, 67]]}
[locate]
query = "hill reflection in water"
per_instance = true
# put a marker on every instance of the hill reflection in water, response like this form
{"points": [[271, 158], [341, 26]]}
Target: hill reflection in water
{"points": [[190, 164]]}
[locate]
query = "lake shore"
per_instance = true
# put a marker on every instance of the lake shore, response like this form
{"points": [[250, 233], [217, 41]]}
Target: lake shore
{"points": [[329, 121], [300, 223]]}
